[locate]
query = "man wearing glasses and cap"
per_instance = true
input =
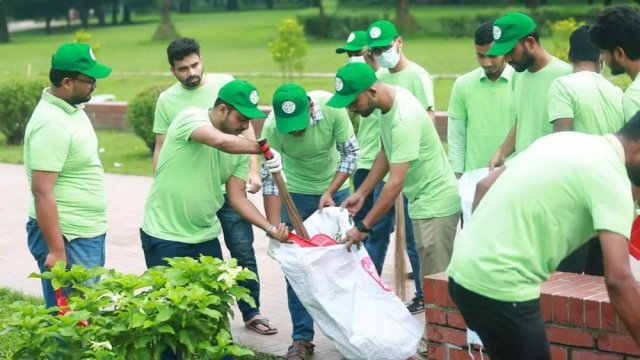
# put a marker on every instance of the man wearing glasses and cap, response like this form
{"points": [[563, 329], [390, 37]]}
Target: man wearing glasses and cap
{"points": [[67, 212], [516, 37], [356, 49], [319, 153]]}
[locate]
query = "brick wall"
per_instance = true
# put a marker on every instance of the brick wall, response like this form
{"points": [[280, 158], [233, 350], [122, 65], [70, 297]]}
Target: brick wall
{"points": [[581, 323], [112, 115]]}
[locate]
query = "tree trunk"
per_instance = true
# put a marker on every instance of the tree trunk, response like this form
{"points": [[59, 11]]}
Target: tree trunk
{"points": [[126, 14], [532, 4], [404, 21], [232, 5], [166, 30], [608, 2], [185, 6], [4, 26], [101, 14], [318, 4], [114, 11], [270, 4], [84, 15]]}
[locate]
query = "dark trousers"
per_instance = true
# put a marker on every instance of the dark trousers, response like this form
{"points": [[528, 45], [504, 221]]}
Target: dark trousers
{"points": [[586, 259], [508, 330]]}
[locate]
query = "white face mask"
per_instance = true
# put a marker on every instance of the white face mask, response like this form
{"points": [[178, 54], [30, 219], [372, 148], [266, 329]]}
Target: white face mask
{"points": [[389, 59], [356, 59]]}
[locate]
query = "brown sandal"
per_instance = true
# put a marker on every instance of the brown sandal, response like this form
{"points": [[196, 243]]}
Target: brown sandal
{"points": [[253, 325]]}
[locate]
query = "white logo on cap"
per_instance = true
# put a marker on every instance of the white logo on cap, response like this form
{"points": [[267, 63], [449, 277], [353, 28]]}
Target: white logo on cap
{"points": [[496, 33], [375, 32], [288, 107], [254, 97], [339, 84], [351, 37], [91, 54]]}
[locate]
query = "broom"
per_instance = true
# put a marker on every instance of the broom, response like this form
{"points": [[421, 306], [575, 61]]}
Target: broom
{"points": [[401, 247], [294, 215]]}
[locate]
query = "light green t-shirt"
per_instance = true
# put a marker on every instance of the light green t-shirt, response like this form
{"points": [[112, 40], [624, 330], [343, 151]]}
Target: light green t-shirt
{"points": [[186, 193], [236, 165], [594, 104], [413, 78], [631, 99], [176, 98], [368, 139], [485, 110], [551, 199], [409, 136], [310, 161], [60, 138], [530, 96]]}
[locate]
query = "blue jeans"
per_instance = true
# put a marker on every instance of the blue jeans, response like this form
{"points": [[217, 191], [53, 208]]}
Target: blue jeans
{"points": [[156, 249], [300, 318], [88, 252], [377, 243], [238, 237]]}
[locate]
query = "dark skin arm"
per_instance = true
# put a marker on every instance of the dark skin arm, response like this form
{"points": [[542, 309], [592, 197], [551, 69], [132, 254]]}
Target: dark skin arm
{"points": [[484, 185], [231, 144], [624, 292], [506, 149], [564, 124], [42, 184]]}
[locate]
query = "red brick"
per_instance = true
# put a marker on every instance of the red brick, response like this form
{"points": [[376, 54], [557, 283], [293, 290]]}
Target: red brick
{"points": [[558, 353], [546, 306], [617, 343], [608, 318], [441, 292], [570, 336], [455, 320], [592, 314], [436, 351], [446, 335], [560, 309], [576, 311], [429, 296], [577, 354], [435, 315]]}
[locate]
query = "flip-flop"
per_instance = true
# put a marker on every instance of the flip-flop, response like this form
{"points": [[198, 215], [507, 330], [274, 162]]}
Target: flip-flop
{"points": [[253, 325]]}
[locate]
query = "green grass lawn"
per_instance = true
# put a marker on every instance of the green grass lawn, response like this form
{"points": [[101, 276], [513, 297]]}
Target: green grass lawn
{"points": [[9, 342]]}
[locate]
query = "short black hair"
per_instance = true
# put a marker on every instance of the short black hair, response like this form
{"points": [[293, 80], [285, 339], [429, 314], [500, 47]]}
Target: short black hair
{"points": [[484, 34], [180, 48], [618, 26], [534, 34], [220, 101], [581, 48], [56, 76], [631, 130]]}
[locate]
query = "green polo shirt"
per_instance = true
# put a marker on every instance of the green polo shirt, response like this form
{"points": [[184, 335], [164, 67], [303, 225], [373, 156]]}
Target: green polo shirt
{"points": [[481, 113], [530, 96], [594, 104], [631, 99], [310, 160], [409, 136], [413, 78], [551, 199], [60, 138], [177, 98], [186, 193]]}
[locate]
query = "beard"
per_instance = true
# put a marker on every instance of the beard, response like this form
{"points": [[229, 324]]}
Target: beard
{"points": [[371, 107], [616, 68], [523, 65], [192, 82]]}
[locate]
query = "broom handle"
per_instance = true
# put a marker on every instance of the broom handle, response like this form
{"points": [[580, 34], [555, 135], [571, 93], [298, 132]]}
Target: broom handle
{"points": [[401, 248], [294, 215]]}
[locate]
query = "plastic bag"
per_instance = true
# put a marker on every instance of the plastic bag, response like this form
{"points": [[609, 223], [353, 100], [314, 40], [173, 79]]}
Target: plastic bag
{"points": [[467, 189], [345, 296]]}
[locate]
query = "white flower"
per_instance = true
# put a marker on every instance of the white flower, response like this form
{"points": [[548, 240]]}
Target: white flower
{"points": [[99, 345]]}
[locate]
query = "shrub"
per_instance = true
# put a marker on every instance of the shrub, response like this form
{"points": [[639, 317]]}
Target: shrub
{"points": [[183, 307], [560, 33], [83, 36], [334, 26], [289, 47], [18, 98], [140, 112]]}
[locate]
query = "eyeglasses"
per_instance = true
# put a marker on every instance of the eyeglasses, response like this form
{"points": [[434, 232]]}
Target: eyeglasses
{"points": [[377, 51], [91, 82]]}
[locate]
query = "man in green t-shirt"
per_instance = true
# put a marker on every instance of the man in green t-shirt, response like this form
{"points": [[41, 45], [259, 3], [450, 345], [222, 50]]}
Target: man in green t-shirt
{"points": [[516, 37], [617, 33], [319, 153], [413, 156], [481, 109], [67, 211], [548, 201], [195, 88], [588, 103]]}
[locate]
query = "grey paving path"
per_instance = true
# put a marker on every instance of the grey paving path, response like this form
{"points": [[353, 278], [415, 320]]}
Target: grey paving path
{"points": [[126, 196]]}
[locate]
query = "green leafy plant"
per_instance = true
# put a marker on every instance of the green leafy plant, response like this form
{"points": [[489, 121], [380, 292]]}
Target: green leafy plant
{"points": [[83, 36], [560, 32], [183, 307], [289, 47], [18, 98], [140, 112]]}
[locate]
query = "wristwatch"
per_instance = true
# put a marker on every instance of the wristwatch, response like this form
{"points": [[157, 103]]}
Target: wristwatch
{"points": [[362, 227]]}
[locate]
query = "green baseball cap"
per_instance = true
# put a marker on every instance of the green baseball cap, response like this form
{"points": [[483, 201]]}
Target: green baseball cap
{"points": [[79, 57], [291, 108], [243, 96], [508, 30], [381, 33], [355, 42], [351, 80]]}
